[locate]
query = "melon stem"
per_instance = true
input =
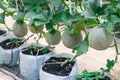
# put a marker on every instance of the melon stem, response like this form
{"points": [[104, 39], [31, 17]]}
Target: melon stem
{"points": [[28, 38], [116, 49], [73, 59], [84, 29], [7, 27], [39, 36], [16, 5]]}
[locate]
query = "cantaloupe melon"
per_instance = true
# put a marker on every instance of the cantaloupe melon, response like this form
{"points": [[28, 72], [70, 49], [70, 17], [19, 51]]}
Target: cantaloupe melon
{"points": [[36, 29], [20, 29], [70, 40], [53, 39], [99, 38]]}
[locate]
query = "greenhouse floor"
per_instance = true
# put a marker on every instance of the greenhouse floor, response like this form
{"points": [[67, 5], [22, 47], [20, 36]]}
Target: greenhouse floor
{"points": [[7, 75]]}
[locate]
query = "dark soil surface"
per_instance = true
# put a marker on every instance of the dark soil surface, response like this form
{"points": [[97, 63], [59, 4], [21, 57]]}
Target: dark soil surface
{"points": [[57, 69], [105, 78], [117, 29], [7, 44], [117, 35], [34, 52], [2, 32]]}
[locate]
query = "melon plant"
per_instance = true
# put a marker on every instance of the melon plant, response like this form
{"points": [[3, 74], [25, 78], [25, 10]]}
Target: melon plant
{"points": [[36, 29], [69, 39], [99, 38], [53, 37], [20, 29]]}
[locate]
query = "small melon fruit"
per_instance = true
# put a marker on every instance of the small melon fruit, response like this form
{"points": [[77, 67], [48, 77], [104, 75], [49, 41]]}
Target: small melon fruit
{"points": [[53, 38], [70, 40], [20, 29], [36, 29], [99, 38]]}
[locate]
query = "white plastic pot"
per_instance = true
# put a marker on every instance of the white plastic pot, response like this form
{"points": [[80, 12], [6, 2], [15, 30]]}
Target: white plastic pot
{"points": [[6, 36], [10, 56], [47, 76], [30, 65]]}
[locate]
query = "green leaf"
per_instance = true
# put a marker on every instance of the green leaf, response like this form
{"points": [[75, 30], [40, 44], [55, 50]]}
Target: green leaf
{"points": [[45, 50], [14, 40], [47, 14], [91, 22], [19, 16], [44, 16], [85, 72], [115, 19], [38, 9], [88, 12], [2, 17], [94, 4], [118, 6], [30, 15], [110, 63], [55, 3], [109, 26], [110, 23], [82, 47], [1, 63], [58, 17], [49, 25], [31, 47], [52, 31], [38, 22], [81, 24], [77, 27], [94, 9], [40, 17], [67, 18], [27, 7]]}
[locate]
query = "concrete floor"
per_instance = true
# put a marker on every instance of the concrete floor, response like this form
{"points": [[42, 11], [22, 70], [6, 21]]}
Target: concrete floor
{"points": [[5, 77]]}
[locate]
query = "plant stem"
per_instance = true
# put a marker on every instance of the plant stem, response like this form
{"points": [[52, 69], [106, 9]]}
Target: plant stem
{"points": [[73, 59], [7, 27], [39, 36], [57, 27], [112, 45], [22, 3], [66, 4], [116, 48], [16, 5], [28, 38], [81, 7], [84, 29]]}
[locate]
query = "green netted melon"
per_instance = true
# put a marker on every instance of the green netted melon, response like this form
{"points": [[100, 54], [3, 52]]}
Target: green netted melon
{"points": [[36, 29], [20, 29], [99, 38], [70, 40], [53, 39]]}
